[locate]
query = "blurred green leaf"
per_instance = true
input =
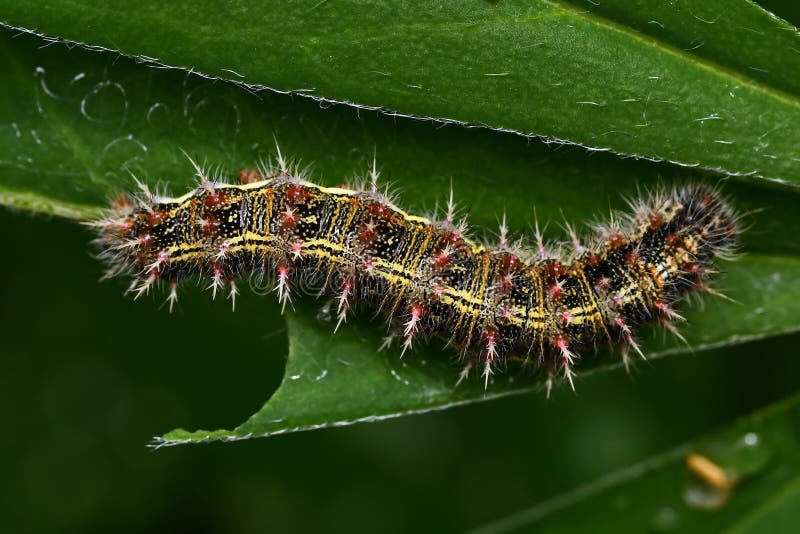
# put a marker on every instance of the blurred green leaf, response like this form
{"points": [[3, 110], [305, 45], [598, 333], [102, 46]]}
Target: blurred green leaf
{"points": [[778, 513], [761, 450], [711, 84], [76, 123]]}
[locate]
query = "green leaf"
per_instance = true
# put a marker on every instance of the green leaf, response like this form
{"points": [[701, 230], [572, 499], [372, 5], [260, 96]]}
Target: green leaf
{"points": [[335, 384], [711, 84], [776, 514], [760, 450], [75, 123]]}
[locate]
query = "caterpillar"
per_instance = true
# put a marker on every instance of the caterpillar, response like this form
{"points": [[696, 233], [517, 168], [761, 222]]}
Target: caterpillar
{"points": [[425, 275]]}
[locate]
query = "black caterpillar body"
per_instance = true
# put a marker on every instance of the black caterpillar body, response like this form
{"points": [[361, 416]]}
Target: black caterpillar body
{"points": [[425, 276]]}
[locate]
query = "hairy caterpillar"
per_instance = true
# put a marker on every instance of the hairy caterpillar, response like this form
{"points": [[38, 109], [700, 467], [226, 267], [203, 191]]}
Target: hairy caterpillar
{"points": [[424, 275]]}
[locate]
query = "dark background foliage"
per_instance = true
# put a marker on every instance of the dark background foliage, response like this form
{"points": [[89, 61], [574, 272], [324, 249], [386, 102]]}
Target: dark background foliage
{"points": [[87, 378]]}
